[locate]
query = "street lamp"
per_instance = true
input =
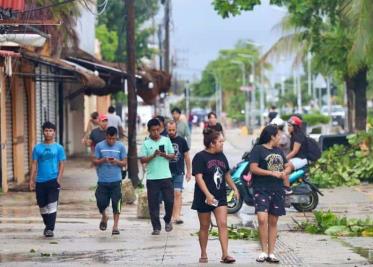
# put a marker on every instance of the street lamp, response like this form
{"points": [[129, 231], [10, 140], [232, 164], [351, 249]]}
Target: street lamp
{"points": [[247, 105]]}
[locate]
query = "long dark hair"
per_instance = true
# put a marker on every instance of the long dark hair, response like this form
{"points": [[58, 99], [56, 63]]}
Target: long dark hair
{"points": [[267, 133], [209, 136]]}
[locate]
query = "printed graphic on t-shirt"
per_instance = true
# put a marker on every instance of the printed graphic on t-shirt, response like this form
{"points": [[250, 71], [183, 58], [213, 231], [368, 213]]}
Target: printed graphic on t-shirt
{"points": [[275, 162], [177, 152], [47, 154], [218, 177]]}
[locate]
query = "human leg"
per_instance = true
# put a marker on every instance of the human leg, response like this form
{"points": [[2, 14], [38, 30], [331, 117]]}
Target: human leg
{"points": [[153, 191], [203, 234]]}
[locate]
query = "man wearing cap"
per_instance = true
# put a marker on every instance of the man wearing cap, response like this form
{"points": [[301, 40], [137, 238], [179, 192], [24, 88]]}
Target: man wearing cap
{"points": [[99, 134], [298, 148]]}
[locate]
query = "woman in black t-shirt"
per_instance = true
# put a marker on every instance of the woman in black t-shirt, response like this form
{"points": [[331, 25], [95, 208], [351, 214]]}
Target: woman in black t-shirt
{"points": [[298, 144], [211, 170], [267, 165]]}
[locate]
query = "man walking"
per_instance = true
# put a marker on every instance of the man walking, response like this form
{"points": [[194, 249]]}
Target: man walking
{"points": [[115, 121], [156, 152], [47, 167], [177, 169], [182, 127], [98, 134], [110, 157]]}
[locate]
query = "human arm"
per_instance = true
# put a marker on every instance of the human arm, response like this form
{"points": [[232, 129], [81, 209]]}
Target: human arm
{"points": [[188, 165], [255, 169], [61, 168], [295, 150], [34, 167], [231, 184], [202, 185]]}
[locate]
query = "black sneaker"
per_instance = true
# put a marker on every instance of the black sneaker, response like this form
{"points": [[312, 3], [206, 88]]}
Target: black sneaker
{"points": [[168, 227], [48, 233], [156, 232]]}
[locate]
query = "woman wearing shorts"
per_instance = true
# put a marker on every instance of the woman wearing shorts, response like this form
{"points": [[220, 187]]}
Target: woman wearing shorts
{"points": [[267, 165], [211, 170]]}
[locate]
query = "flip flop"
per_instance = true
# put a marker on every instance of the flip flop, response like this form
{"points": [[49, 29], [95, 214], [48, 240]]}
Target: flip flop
{"points": [[115, 232], [228, 259], [203, 260], [103, 225]]}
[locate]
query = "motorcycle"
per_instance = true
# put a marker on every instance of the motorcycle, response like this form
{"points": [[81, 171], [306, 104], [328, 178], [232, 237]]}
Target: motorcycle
{"points": [[304, 197]]}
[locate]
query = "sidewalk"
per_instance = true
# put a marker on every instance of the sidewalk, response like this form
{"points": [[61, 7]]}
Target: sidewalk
{"points": [[78, 241]]}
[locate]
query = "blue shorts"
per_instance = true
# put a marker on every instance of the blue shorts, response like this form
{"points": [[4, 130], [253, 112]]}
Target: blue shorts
{"points": [[178, 180]]}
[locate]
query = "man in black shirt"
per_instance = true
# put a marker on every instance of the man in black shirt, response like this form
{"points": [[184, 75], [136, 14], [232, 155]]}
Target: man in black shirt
{"points": [[98, 134], [298, 144], [213, 124], [177, 168]]}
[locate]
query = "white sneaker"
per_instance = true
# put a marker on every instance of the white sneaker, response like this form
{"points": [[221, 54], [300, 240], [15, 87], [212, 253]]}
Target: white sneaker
{"points": [[262, 257]]}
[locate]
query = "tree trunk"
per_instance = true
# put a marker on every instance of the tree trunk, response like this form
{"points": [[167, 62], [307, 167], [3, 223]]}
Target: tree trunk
{"points": [[133, 169], [350, 104], [361, 84]]}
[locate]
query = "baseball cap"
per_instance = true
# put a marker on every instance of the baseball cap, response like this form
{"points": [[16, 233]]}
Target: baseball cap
{"points": [[102, 117], [294, 120]]}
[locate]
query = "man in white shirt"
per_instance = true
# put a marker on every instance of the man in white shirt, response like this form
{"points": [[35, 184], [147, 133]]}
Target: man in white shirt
{"points": [[115, 121]]}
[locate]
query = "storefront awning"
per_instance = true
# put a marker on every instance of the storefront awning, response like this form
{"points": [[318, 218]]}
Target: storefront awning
{"points": [[15, 5], [87, 78]]}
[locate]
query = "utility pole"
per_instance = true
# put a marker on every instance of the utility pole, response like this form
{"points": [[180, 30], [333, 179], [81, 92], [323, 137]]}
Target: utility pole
{"points": [[133, 169], [167, 35], [160, 46], [309, 58]]}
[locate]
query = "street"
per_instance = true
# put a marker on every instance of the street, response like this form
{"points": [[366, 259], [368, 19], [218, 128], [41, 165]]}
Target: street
{"points": [[78, 241]]}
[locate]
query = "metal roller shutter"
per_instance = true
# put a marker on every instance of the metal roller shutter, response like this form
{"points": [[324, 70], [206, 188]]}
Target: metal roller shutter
{"points": [[26, 130], [9, 133], [46, 102]]}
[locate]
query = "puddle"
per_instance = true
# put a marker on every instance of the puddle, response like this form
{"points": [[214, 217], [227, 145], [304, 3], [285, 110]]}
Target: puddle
{"points": [[364, 252]]}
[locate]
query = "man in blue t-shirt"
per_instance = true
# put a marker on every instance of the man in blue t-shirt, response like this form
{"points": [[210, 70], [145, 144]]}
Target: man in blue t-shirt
{"points": [[110, 157], [46, 174]]}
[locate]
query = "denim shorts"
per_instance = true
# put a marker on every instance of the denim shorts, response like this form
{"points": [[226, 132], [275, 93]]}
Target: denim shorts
{"points": [[178, 180]]}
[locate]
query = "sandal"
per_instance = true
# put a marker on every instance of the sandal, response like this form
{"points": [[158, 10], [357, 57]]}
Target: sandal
{"points": [[203, 260], [179, 221], [228, 259], [262, 257], [115, 232], [103, 225], [272, 259]]}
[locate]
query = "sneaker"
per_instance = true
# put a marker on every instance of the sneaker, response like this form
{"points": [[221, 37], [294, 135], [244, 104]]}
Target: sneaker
{"points": [[262, 257], [156, 232], [288, 191], [48, 233], [272, 259], [168, 227]]}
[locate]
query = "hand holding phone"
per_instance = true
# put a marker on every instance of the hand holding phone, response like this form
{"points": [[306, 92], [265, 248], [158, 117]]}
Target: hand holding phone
{"points": [[161, 148]]}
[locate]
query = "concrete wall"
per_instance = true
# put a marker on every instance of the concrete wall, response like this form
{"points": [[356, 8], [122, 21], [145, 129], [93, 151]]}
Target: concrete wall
{"points": [[86, 28]]}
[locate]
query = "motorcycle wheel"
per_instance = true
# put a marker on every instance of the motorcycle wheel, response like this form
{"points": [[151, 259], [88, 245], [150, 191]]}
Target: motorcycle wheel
{"points": [[233, 204], [310, 206]]}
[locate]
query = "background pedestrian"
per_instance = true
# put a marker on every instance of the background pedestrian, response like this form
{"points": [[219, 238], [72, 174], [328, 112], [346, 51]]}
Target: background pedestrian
{"points": [[182, 126], [156, 152], [110, 158], [46, 174]]}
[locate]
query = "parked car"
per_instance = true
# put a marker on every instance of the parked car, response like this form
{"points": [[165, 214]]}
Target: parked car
{"points": [[338, 114]]}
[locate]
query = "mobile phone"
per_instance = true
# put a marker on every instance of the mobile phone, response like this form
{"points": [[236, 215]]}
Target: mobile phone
{"points": [[161, 148], [214, 203], [110, 158]]}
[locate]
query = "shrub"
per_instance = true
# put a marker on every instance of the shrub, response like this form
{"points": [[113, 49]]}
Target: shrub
{"points": [[310, 119], [347, 166]]}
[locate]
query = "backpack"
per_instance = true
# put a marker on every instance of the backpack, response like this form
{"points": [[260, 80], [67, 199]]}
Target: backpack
{"points": [[313, 149]]}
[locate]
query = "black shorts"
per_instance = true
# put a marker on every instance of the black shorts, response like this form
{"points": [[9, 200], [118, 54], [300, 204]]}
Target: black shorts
{"points": [[107, 191], [269, 201], [200, 205]]}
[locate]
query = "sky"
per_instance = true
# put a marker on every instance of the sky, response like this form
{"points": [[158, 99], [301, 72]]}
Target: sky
{"points": [[198, 33]]}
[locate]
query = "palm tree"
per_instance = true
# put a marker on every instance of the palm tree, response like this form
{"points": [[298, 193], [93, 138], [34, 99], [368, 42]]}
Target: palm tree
{"points": [[67, 14]]}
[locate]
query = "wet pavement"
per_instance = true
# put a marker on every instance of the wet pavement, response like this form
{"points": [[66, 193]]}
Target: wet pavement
{"points": [[78, 241]]}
